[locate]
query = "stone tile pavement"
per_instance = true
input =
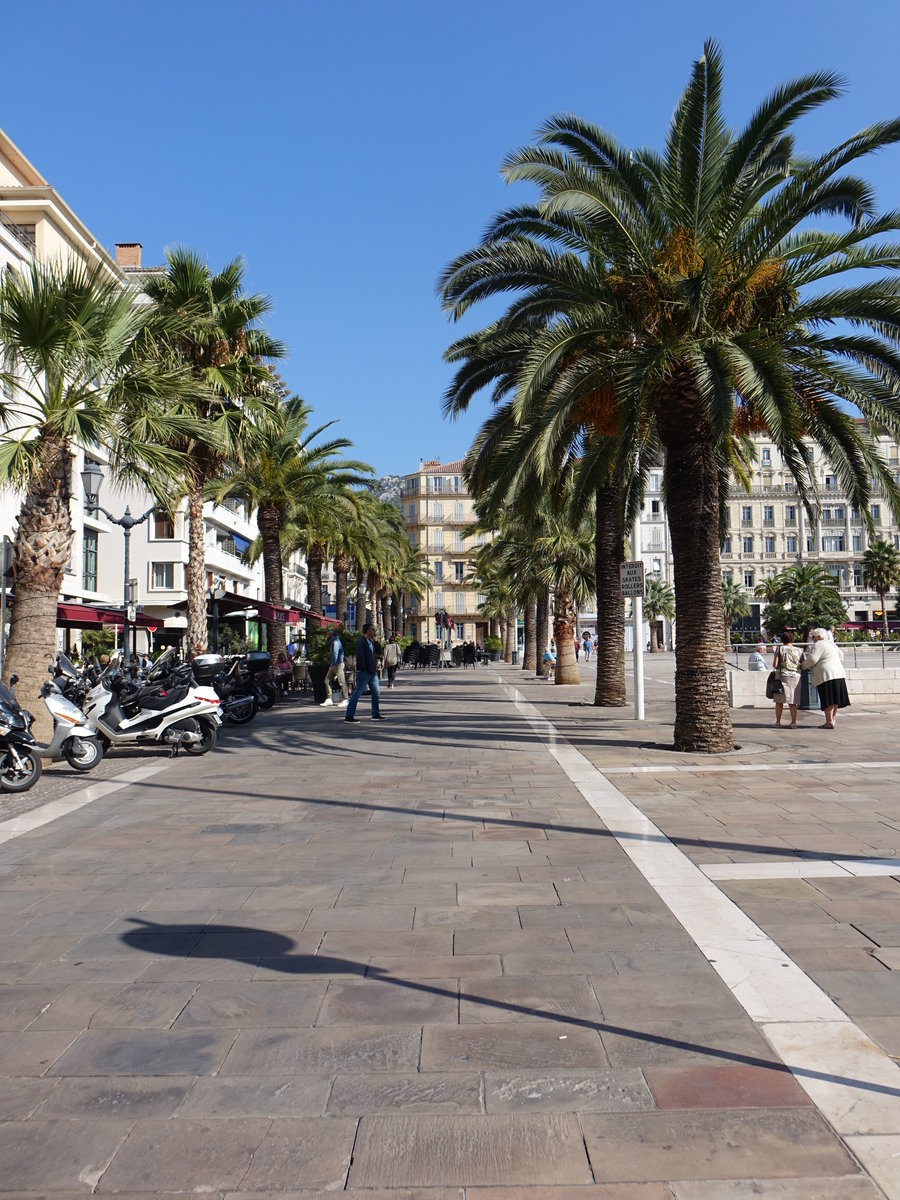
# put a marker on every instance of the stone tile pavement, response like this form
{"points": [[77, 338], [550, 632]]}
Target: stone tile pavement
{"points": [[410, 960]]}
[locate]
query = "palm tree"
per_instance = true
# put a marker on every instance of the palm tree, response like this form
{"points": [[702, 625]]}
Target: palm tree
{"points": [[291, 482], [226, 351], [81, 372], [659, 601], [881, 572], [702, 301], [805, 596], [735, 604]]}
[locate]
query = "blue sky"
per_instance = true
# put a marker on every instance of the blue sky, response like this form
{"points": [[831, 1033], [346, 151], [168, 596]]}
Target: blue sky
{"points": [[349, 150]]}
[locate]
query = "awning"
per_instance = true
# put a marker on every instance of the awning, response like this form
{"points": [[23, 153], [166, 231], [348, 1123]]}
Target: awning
{"points": [[86, 616], [277, 612], [300, 613]]}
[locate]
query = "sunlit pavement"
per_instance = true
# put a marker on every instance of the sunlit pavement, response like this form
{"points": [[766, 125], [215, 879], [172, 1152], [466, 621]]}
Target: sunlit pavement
{"points": [[501, 942]]}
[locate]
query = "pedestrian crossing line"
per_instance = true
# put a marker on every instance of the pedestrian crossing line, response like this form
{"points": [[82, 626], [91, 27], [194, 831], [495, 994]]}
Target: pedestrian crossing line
{"points": [[853, 1083]]}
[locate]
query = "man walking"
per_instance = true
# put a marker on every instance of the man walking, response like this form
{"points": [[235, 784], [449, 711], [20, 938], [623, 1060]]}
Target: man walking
{"points": [[366, 674], [335, 670]]}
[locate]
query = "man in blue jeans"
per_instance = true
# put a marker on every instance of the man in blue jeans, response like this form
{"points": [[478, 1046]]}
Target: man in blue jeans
{"points": [[366, 674]]}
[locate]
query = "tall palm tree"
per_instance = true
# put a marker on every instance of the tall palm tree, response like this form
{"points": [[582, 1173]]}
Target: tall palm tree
{"points": [[81, 372], [735, 604], [292, 480], [709, 303], [881, 572], [226, 351]]}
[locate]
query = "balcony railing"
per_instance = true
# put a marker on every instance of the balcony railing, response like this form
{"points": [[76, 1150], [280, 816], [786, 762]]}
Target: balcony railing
{"points": [[22, 233]]}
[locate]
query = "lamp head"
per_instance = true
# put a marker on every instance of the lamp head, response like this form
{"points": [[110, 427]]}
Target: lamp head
{"points": [[92, 478]]}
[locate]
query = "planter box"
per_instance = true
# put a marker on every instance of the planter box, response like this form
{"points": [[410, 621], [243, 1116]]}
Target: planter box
{"points": [[317, 673]]}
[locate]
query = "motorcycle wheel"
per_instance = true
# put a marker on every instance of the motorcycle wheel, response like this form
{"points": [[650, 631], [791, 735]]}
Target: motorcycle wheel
{"points": [[209, 740], [15, 778], [268, 694], [241, 713], [82, 754]]}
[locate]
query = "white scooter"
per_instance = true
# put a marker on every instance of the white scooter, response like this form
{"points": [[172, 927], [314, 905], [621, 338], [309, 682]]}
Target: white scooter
{"points": [[176, 714], [73, 738]]}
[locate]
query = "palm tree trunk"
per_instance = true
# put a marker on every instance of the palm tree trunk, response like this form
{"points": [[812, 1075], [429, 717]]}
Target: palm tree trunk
{"points": [[885, 628], [702, 716], [341, 572], [42, 549], [360, 597], [542, 634], [268, 520], [564, 632], [315, 561], [609, 552], [529, 657], [511, 633], [386, 613], [504, 635], [196, 569]]}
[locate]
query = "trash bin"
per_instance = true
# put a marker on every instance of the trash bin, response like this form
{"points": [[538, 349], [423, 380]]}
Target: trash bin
{"points": [[809, 695]]}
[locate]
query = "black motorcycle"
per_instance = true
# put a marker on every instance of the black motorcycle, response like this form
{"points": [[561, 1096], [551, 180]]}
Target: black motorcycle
{"points": [[20, 764]]}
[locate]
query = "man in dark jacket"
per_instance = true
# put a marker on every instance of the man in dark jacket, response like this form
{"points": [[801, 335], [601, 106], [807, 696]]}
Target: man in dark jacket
{"points": [[366, 674]]}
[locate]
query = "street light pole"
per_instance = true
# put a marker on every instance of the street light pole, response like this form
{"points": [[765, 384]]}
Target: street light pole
{"points": [[92, 477]]}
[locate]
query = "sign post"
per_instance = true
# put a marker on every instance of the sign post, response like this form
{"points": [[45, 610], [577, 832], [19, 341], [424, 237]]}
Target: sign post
{"points": [[632, 578]]}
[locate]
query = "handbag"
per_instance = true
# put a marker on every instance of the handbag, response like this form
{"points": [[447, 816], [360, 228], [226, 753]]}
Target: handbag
{"points": [[773, 685]]}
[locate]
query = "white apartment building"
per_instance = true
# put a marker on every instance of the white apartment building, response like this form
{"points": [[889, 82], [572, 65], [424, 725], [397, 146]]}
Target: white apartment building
{"points": [[769, 530], [437, 508], [36, 225]]}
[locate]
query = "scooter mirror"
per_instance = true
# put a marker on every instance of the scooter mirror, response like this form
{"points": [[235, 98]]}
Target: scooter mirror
{"points": [[13, 680]]}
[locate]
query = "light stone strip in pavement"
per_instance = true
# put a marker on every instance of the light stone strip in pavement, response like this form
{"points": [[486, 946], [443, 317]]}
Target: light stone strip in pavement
{"points": [[853, 1083], [715, 768], [46, 813], [800, 868]]}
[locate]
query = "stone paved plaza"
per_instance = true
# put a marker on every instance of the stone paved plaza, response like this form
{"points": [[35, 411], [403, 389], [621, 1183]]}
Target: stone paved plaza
{"points": [[502, 945]]}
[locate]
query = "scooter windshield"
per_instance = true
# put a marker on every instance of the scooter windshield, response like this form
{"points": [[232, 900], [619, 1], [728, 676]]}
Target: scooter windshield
{"points": [[66, 666], [7, 698]]}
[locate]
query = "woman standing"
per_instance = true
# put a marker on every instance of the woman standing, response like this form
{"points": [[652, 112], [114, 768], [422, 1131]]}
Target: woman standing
{"points": [[824, 658], [787, 663], [392, 656]]}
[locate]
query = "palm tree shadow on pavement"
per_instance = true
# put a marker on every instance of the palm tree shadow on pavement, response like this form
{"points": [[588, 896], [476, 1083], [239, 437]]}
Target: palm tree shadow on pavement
{"points": [[272, 951]]}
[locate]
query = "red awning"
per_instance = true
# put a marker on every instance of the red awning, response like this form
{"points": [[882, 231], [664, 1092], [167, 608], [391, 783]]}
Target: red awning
{"points": [[277, 612], [301, 613], [86, 616]]}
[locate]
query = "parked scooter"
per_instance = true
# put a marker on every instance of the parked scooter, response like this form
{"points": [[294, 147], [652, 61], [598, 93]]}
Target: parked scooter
{"points": [[175, 714], [20, 764], [234, 687], [73, 739]]}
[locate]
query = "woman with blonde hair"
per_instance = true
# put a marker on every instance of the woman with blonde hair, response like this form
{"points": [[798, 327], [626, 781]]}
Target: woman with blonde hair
{"points": [[824, 659]]}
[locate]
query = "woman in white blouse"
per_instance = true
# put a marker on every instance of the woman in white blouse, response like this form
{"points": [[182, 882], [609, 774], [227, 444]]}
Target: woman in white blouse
{"points": [[824, 659]]}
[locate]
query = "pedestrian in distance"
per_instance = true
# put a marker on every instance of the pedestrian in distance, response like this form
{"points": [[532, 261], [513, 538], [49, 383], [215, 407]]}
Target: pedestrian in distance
{"points": [[825, 660], [577, 648], [335, 670], [588, 645], [366, 674], [787, 663], [392, 654]]}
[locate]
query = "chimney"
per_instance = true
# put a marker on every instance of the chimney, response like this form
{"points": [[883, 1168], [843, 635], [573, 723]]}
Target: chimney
{"points": [[128, 254]]}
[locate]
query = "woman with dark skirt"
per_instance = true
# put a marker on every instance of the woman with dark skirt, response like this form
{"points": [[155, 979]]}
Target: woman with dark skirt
{"points": [[824, 659]]}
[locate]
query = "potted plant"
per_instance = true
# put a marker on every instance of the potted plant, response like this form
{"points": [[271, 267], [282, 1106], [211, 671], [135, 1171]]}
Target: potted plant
{"points": [[318, 651], [493, 646]]}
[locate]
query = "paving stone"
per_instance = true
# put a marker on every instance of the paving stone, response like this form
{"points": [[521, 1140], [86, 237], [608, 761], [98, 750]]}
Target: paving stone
{"points": [[121, 1097], [623, 1090], [728, 1144], [427, 1092], [57, 1155], [301, 1095], [318, 1152], [524, 998], [31, 1053], [630, 997], [184, 1155], [488, 917], [725, 1087], [560, 962], [366, 1048], [547, 1045], [862, 993], [23, 1003], [397, 1001], [500, 941], [474, 894], [850, 1187], [360, 947], [144, 1006], [427, 1151], [144, 1052], [717, 1041], [472, 966], [20, 1097], [258, 1004], [617, 1191]]}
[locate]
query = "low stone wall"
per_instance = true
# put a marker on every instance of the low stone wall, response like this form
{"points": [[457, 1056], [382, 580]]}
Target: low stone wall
{"points": [[747, 689]]}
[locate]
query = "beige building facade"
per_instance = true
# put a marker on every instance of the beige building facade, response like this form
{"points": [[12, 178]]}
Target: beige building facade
{"points": [[437, 509]]}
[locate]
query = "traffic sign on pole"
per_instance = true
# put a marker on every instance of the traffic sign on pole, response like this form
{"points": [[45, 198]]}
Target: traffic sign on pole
{"points": [[631, 575]]}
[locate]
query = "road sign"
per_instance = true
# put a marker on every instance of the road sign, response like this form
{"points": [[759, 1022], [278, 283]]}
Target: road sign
{"points": [[131, 613], [631, 575]]}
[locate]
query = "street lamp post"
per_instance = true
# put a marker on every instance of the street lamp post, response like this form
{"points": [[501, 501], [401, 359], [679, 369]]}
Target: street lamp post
{"points": [[92, 478]]}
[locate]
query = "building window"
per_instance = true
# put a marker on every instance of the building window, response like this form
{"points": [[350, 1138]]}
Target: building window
{"points": [[770, 544], [437, 511], [833, 543], [411, 512], [831, 483], [790, 514], [857, 577], [163, 526], [437, 485], [438, 601], [458, 570], [810, 543], [458, 541], [480, 539], [749, 578], [458, 511], [746, 515], [655, 481], [438, 571], [748, 544], [459, 602], [460, 632], [655, 507], [792, 544], [857, 541], [455, 484], [726, 546], [766, 456], [876, 512], [162, 576], [439, 539], [89, 560], [768, 515], [481, 599]]}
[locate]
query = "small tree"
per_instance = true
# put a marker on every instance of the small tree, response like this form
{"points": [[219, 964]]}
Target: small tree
{"points": [[805, 596], [881, 572], [735, 604], [659, 601]]}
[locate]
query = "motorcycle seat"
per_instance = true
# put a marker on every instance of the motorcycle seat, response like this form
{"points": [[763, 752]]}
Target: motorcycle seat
{"points": [[158, 698]]}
